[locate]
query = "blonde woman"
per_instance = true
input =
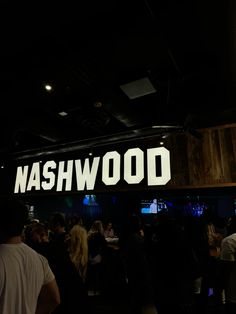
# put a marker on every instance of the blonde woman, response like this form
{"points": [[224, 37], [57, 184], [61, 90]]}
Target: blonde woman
{"points": [[78, 249]]}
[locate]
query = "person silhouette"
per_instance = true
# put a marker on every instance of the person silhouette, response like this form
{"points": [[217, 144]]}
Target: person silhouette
{"points": [[153, 206]]}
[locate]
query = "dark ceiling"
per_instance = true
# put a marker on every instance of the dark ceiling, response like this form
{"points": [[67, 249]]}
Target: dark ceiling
{"points": [[184, 49]]}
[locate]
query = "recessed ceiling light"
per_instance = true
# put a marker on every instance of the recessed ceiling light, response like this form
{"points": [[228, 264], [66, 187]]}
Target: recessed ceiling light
{"points": [[48, 87], [63, 113]]}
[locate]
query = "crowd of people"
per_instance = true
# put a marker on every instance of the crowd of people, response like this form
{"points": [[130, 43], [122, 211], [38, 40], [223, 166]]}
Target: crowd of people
{"points": [[168, 266], [68, 258]]}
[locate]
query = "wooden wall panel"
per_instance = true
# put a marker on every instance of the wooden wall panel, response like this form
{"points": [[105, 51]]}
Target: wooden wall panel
{"points": [[179, 160], [205, 162]]}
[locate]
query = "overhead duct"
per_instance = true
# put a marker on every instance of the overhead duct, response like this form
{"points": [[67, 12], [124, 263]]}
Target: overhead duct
{"points": [[157, 131]]}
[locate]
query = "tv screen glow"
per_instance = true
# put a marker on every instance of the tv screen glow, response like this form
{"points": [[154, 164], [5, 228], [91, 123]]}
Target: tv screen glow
{"points": [[152, 206]]}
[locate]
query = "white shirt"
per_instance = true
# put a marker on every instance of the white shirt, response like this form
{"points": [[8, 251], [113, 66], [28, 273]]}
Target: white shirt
{"points": [[228, 253], [153, 208], [23, 272]]}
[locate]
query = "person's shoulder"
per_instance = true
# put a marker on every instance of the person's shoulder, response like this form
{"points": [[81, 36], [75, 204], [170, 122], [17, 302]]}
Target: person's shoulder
{"points": [[43, 259], [229, 237], [229, 243]]}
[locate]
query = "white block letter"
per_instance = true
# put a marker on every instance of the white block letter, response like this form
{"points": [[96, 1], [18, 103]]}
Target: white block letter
{"points": [[86, 176], [116, 168], [151, 166], [21, 179], [65, 175], [47, 174], [34, 179], [139, 171]]}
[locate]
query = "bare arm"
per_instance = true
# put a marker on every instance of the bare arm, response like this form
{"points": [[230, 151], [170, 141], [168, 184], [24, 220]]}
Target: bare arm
{"points": [[49, 298]]}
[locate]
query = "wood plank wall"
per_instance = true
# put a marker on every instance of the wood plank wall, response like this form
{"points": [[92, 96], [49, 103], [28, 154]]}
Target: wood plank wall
{"points": [[206, 162]]}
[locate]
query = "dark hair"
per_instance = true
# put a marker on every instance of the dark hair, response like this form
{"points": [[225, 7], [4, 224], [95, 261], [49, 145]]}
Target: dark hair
{"points": [[57, 219], [13, 217]]}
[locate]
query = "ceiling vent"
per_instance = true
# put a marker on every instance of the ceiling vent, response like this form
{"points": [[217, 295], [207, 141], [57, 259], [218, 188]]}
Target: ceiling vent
{"points": [[138, 88]]}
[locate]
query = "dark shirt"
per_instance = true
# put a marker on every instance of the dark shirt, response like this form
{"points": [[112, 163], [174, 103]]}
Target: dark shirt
{"points": [[96, 244]]}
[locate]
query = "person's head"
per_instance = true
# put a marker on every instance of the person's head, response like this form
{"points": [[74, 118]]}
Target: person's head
{"points": [[78, 248], [97, 226], [57, 223], [109, 226], [155, 201], [14, 216], [39, 233]]}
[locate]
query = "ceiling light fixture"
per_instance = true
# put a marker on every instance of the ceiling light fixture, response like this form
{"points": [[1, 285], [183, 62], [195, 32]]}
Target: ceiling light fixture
{"points": [[48, 87], [63, 113]]}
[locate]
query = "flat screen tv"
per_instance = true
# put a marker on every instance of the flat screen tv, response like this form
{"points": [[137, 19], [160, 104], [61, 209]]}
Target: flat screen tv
{"points": [[152, 205]]}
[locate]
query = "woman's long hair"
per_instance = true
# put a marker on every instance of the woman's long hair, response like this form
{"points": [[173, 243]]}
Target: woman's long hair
{"points": [[97, 227], [78, 249]]}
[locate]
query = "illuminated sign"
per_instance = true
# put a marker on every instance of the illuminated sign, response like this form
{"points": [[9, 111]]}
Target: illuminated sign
{"points": [[131, 168]]}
